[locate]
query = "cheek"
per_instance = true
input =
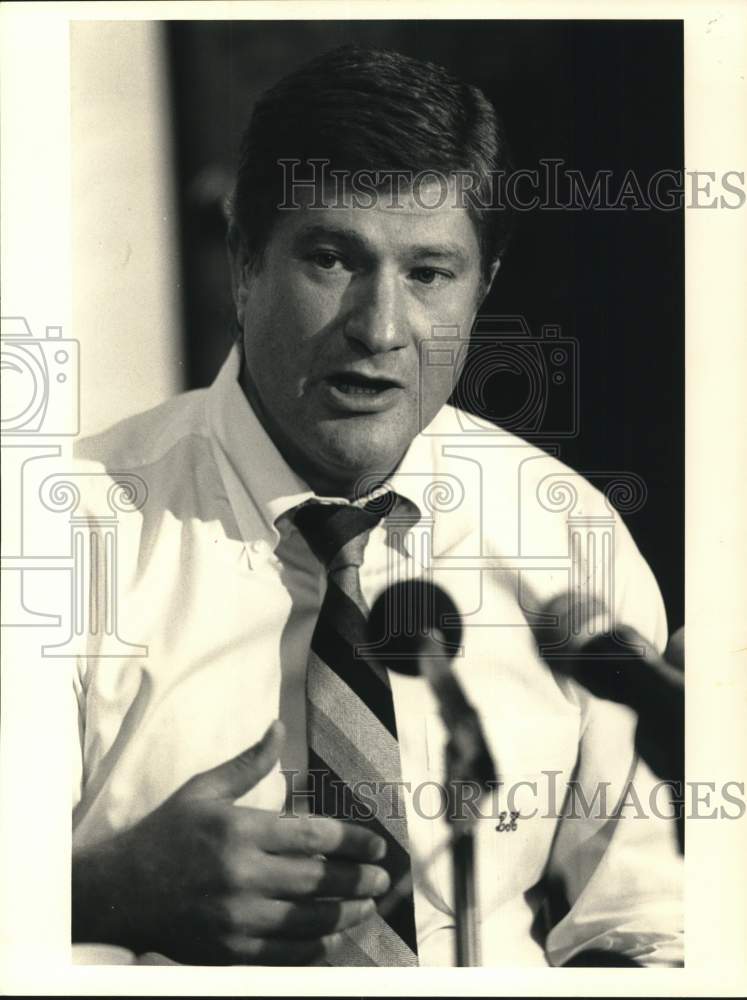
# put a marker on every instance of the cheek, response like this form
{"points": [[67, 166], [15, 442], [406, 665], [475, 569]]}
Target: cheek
{"points": [[281, 339], [304, 309], [440, 364]]}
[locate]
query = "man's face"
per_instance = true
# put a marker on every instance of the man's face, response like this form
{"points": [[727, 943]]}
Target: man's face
{"points": [[333, 321]]}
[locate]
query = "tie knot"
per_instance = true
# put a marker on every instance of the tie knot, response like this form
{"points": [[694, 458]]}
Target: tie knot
{"points": [[337, 533]]}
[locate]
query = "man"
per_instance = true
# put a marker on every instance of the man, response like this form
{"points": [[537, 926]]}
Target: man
{"points": [[361, 250]]}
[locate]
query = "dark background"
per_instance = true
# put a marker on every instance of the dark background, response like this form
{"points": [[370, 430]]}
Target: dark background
{"points": [[600, 95]]}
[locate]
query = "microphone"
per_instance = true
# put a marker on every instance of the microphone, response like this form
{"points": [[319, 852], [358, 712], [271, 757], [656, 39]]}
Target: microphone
{"points": [[415, 629], [619, 664]]}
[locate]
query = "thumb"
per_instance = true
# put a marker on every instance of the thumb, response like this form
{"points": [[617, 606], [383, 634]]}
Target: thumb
{"points": [[234, 777]]}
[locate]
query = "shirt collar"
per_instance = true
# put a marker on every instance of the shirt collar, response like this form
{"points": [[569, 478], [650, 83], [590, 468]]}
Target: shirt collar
{"points": [[261, 485]]}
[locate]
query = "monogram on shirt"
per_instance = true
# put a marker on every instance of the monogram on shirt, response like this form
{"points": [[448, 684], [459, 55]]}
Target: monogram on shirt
{"points": [[507, 822]]}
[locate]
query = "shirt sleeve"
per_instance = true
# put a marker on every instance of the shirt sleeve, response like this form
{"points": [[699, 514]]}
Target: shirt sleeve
{"points": [[637, 598], [615, 855]]}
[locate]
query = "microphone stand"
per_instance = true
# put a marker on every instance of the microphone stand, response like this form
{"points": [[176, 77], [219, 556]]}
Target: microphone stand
{"points": [[467, 761], [404, 633], [463, 866]]}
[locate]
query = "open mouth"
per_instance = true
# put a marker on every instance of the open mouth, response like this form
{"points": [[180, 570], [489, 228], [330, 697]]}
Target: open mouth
{"points": [[353, 393], [359, 385]]}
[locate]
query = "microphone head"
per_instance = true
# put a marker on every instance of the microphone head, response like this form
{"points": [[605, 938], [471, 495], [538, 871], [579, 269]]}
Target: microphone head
{"points": [[411, 619], [567, 621]]}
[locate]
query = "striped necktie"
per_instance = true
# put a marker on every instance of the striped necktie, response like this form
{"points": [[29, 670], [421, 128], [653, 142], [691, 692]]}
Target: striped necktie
{"points": [[351, 728]]}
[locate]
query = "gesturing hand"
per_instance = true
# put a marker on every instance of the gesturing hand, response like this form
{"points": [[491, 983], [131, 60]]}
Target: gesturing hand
{"points": [[205, 881]]}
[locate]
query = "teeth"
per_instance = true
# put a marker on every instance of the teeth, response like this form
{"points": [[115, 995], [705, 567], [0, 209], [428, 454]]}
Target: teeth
{"points": [[356, 390]]}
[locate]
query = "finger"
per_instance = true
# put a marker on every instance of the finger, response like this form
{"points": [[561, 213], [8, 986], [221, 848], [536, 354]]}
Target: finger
{"points": [[236, 776], [283, 951], [299, 878], [307, 920], [317, 835]]}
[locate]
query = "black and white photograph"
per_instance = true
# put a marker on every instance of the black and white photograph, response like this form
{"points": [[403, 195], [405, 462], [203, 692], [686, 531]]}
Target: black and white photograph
{"points": [[372, 466]]}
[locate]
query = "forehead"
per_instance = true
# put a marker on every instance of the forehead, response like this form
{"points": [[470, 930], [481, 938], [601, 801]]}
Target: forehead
{"points": [[386, 221]]}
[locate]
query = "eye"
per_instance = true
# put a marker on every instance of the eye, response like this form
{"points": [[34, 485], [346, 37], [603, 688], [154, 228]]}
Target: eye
{"points": [[325, 259], [430, 276]]}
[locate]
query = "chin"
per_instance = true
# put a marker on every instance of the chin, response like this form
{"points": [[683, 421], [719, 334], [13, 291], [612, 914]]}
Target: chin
{"points": [[348, 457]]}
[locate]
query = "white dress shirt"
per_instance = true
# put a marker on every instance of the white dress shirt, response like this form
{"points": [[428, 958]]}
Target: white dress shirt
{"points": [[218, 594]]}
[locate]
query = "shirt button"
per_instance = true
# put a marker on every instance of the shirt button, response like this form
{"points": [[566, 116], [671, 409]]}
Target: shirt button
{"points": [[257, 546]]}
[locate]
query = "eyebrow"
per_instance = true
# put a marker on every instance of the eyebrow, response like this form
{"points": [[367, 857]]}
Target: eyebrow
{"points": [[415, 251], [440, 251]]}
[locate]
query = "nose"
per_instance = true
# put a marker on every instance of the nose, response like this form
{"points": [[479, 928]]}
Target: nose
{"points": [[376, 316]]}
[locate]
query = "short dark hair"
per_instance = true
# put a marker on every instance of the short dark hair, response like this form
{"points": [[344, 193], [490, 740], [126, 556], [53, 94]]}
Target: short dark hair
{"points": [[374, 110]]}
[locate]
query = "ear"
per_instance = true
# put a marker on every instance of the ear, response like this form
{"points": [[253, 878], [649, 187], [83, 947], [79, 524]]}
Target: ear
{"points": [[238, 262]]}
